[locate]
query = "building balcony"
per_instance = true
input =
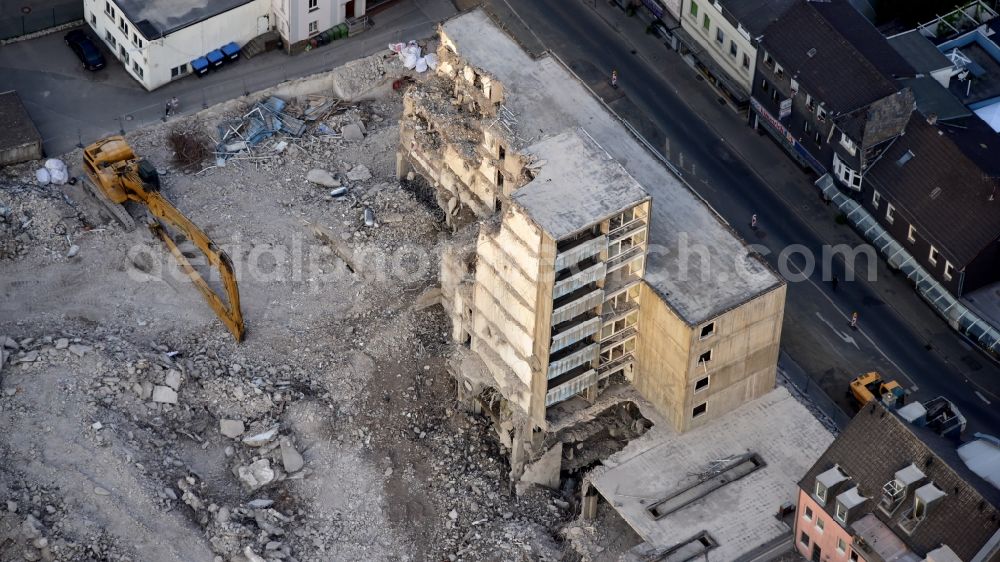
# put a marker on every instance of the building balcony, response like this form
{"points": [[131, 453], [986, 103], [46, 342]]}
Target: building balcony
{"points": [[610, 311], [576, 303], [570, 384], [627, 229], [604, 371], [571, 281], [567, 359], [580, 251], [619, 337], [574, 332], [623, 258]]}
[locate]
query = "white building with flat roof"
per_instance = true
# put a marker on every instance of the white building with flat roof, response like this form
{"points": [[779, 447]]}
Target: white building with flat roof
{"points": [[157, 41]]}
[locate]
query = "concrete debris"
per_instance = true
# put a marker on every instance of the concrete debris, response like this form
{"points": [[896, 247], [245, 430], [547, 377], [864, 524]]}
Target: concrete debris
{"points": [[260, 503], [369, 217], [352, 132], [251, 556], [262, 438], [29, 357], [231, 428], [62, 343], [164, 395], [322, 177], [257, 474], [359, 172], [73, 251], [79, 350], [290, 458], [173, 379]]}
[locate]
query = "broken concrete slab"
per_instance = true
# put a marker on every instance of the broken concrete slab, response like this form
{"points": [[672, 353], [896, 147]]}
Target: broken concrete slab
{"points": [[62, 343], [359, 173], [257, 474], [164, 395], [352, 132], [29, 357], [231, 428], [291, 459], [173, 379], [428, 298], [79, 350], [322, 177], [262, 438]]}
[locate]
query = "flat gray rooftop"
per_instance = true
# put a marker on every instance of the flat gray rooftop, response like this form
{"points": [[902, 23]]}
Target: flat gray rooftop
{"points": [[739, 515], [578, 184], [167, 16], [546, 99]]}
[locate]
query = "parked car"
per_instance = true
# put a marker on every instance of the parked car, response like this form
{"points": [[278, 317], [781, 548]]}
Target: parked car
{"points": [[85, 49]]}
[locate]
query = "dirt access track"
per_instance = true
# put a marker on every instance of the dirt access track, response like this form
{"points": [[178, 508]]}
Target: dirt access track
{"points": [[132, 426]]}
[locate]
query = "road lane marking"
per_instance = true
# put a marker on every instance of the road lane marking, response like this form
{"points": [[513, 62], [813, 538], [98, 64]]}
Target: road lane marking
{"points": [[860, 330], [842, 335], [981, 397]]}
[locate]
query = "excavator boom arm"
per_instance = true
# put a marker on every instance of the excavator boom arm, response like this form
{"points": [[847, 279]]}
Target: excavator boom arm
{"points": [[231, 314]]}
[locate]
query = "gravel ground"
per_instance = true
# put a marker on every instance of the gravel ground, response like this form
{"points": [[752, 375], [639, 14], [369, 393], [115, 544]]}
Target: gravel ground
{"points": [[136, 429]]}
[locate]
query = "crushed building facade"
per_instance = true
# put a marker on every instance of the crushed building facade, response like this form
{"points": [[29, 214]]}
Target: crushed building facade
{"points": [[580, 261]]}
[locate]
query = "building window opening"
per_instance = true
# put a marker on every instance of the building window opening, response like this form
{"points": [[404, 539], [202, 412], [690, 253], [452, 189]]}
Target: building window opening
{"points": [[707, 330], [702, 384], [699, 410], [705, 357]]}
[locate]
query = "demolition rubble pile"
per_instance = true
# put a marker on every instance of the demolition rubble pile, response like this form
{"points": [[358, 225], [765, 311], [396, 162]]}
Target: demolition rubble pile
{"points": [[136, 430]]}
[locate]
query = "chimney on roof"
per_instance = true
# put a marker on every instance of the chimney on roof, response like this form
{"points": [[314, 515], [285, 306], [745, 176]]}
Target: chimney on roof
{"points": [[932, 118]]}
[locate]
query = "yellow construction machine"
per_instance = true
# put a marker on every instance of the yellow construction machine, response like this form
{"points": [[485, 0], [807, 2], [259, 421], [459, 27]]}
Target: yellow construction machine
{"points": [[118, 176], [870, 385]]}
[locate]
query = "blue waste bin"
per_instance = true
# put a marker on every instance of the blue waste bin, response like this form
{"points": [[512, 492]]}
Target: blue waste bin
{"points": [[231, 51], [200, 66], [216, 58]]}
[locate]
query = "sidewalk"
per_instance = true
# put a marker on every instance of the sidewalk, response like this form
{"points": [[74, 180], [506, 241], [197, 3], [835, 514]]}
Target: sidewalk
{"points": [[789, 182]]}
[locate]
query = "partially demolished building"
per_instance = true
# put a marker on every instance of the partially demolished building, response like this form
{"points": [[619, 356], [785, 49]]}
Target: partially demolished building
{"points": [[592, 265]]}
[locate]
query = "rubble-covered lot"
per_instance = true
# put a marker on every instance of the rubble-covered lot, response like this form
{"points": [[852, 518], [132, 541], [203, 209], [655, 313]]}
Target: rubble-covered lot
{"points": [[134, 428]]}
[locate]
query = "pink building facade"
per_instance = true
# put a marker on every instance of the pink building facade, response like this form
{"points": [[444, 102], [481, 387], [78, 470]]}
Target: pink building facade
{"points": [[818, 536]]}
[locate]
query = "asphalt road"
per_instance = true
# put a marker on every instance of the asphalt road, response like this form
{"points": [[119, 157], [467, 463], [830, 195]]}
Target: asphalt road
{"points": [[815, 334]]}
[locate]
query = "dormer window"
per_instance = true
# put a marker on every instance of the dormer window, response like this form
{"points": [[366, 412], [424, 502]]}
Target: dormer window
{"points": [[820, 492], [768, 61], [924, 499], [846, 502], [826, 481], [821, 114]]}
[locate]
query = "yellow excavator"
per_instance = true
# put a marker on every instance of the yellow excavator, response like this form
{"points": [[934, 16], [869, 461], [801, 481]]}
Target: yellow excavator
{"points": [[118, 176], [870, 385]]}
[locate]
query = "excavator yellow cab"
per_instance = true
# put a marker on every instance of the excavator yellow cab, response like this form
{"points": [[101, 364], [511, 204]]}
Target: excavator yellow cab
{"points": [[116, 175], [866, 387]]}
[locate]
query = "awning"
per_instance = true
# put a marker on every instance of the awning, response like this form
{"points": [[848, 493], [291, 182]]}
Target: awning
{"points": [[231, 50], [199, 64], [216, 57]]}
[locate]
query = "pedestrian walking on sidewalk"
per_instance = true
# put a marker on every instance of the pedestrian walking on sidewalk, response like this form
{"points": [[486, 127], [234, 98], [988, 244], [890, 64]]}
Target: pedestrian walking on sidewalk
{"points": [[175, 105], [753, 221], [614, 79], [854, 321], [166, 111]]}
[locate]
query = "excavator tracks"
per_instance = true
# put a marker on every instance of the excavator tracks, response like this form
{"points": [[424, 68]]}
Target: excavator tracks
{"points": [[117, 211]]}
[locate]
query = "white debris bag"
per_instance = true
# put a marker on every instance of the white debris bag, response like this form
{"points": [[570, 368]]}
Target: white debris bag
{"points": [[410, 54], [58, 177], [55, 164], [42, 175], [421, 65], [432, 61], [396, 47]]}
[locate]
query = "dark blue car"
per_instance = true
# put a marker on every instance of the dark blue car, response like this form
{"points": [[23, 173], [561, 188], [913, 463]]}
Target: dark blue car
{"points": [[85, 49]]}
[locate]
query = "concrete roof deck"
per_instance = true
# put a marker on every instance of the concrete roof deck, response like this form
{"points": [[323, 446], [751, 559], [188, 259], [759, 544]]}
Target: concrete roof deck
{"points": [[547, 99], [576, 170], [167, 16], [740, 514]]}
